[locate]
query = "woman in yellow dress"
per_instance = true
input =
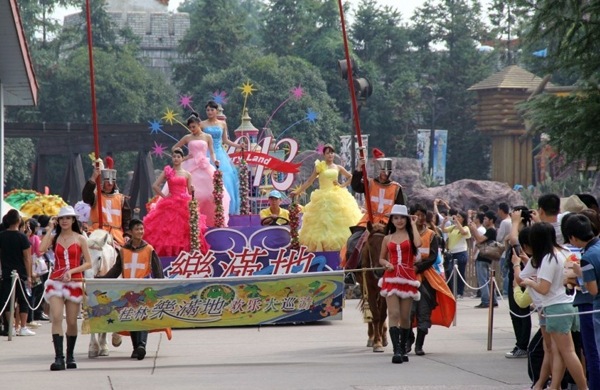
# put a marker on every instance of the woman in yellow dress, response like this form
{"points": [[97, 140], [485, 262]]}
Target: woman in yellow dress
{"points": [[331, 210]]}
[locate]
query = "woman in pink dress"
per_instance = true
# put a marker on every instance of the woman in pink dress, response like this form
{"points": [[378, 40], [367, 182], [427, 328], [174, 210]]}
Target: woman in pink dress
{"points": [[168, 224], [399, 283], [198, 165], [64, 290]]}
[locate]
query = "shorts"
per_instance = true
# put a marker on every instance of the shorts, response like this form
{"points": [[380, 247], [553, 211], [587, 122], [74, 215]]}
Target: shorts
{"points": [[563, 324], [70, 291], [541, 317]]}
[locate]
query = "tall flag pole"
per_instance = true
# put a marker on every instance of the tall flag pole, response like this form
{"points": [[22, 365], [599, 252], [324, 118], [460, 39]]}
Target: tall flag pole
{"points": [[361, 150], [94, 114]]}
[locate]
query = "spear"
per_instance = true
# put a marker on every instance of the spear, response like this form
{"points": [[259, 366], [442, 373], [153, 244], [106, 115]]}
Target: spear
{"points": [[355, 111]]}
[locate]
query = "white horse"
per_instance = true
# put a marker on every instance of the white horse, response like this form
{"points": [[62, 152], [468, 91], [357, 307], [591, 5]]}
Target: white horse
{"points": [[104, 256]]}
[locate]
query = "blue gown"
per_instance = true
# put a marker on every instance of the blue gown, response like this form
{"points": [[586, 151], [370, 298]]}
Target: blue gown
{"points": [[230, 172]]}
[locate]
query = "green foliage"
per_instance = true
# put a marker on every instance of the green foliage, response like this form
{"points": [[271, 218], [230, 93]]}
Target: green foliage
{"points": [[508, 18], [36, 16], [570, 121], [19, 156], [216, 36], [274, 77], [457, 25], [570, 31], [126, 92], [576, 184]]}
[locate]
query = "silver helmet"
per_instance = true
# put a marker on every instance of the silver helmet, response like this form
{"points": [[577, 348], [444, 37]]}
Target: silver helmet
{"points": [[383, 164], [109, 175]]}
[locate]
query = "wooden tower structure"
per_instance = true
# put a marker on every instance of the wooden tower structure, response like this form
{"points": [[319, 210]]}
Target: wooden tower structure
{"points": [[497, 117]]}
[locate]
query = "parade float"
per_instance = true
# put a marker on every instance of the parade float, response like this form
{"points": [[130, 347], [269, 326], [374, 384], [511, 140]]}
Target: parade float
{"points": [[255, 272]]}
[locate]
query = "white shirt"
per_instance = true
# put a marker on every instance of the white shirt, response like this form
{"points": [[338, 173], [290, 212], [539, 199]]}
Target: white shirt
{"points": [[529, 272], [504, 229], [552, 269]]}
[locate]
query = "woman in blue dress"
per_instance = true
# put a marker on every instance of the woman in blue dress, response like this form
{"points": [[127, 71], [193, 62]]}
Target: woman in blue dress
{"points": [[218, 131]]}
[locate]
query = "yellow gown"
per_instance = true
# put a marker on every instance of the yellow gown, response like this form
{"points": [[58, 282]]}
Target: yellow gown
{"points": [[329, 214]]}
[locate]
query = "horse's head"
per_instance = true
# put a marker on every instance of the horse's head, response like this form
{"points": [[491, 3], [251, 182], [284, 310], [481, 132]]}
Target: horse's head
{"points": [[373, 245], [100, 244]]}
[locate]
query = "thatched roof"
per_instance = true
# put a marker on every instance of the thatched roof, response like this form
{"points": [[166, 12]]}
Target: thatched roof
{"points": [[511, 77]]}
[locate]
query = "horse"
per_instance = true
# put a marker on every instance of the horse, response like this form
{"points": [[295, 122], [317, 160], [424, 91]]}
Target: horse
{"points": [[368, 280], [104, 256]]}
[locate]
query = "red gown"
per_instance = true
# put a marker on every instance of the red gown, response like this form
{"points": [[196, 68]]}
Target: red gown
{"points": [[65, 259], [402, 281], [167, 226]]}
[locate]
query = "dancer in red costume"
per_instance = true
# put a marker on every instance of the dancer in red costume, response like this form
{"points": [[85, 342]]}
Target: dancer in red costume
{"points": [[168, 227], [399, 283], [63, 287]]}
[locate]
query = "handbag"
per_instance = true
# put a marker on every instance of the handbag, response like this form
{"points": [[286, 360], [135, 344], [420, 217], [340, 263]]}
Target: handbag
{"points": [[39, 265], [491, 250]]}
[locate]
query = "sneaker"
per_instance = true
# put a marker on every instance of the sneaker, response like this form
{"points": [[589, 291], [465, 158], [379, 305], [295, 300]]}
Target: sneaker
{"points": [[26, 332], [459, 296], [482, 306], [33, 325], [516, 353]]}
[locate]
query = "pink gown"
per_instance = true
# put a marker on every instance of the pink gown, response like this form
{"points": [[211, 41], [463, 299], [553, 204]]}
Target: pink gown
{"points": [[402, 281], [202, 178], [167, 226]]}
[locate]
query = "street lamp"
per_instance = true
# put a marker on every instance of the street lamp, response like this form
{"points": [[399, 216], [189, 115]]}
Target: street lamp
{"points": [[363, 89], [438, 106]]}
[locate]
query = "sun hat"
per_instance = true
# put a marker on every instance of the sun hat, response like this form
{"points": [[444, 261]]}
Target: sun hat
{"points": [[67, 212], [399, 209], [572, 204], [275, 194]]}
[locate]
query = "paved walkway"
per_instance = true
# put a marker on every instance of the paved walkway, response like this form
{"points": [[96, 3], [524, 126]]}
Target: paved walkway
{"points": [[326, 356]]}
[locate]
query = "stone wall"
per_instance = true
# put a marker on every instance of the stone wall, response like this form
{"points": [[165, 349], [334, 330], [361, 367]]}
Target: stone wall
{"points": [[160, 34]]}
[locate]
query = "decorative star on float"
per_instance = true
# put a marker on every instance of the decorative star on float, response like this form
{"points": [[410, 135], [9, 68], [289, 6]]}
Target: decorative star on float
{"points": [[110, 321], [320, 148], [312, 116], [298, 92], [170, 116], [219, 97], [158, 149], [155, 127], [247, 89], [185, 101]]}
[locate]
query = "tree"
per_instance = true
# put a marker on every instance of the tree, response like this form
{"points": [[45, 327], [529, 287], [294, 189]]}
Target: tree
{"points": [[36, 16], [381, 46], [274, 77], [570, 32], [216, 38], [19, 155], [458, 26], [507, 18]]}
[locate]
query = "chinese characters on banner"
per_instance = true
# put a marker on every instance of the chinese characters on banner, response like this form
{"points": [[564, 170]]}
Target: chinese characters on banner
{"points": [[146, 304]]}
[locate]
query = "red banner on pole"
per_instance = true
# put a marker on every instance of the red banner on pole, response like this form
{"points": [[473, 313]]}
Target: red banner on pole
{"points": [[257, 158]]}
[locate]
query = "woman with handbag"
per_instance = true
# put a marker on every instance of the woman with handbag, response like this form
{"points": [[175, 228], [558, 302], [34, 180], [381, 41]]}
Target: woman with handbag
{"points": [[458, 233], [40, 272], [484, 259]]}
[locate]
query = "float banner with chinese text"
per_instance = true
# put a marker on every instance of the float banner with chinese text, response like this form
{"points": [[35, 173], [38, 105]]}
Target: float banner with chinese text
{"points": [[146, 304], [249, 251]]}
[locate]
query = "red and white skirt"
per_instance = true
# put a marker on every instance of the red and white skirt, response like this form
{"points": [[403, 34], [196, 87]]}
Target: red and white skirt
{"points": [[70, 291], [403, 286]]}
